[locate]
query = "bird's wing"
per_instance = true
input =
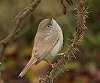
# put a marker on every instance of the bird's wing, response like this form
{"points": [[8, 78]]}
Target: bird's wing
{"points": [[44, 43]]}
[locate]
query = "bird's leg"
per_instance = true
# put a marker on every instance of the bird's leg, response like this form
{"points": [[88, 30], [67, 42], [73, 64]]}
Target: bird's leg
{"points": [[52, 65]]}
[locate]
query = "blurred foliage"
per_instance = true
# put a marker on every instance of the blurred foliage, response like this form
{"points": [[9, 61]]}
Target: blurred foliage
{"points": [[18, 53]]}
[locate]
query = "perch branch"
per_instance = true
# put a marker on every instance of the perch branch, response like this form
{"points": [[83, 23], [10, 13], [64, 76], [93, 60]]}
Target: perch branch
{"points": [[81, 15]]}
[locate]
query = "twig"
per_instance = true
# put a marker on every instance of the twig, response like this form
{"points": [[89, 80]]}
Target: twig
{"points": [[70, 2], [73, 48], [30, 7], [63, 7], [18, 21]]}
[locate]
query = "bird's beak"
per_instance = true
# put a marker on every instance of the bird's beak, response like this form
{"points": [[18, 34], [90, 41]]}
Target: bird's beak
{"points": [[52, 20]]}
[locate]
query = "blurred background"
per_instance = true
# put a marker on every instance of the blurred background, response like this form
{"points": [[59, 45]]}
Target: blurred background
{"points": [[84, 69]]}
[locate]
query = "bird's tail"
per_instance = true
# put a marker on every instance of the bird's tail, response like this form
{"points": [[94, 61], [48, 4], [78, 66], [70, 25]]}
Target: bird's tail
{"points": [[29, 64]]}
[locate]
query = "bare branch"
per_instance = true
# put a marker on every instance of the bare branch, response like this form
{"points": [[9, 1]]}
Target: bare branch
{"points": [[63, 7], [18, 21], [70, 2]]}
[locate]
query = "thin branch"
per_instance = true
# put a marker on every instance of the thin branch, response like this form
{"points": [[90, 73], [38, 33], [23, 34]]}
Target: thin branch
{"points": [[73, 48], [70, 2], [63, 7], [18, 21]]}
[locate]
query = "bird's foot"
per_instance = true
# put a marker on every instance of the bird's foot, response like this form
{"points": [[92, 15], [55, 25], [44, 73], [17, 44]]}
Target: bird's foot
{"points": [[52, 65]]}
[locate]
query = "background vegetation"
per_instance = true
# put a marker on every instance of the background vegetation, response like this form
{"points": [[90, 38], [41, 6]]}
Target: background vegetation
{"points": [[84, 69]]}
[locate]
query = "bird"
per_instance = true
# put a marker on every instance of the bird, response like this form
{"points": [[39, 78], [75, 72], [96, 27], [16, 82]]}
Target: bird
{"points": [[47, 43]]}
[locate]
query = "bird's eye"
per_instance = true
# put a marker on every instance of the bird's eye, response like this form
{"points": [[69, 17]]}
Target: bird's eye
{"points": [[49, 26]]}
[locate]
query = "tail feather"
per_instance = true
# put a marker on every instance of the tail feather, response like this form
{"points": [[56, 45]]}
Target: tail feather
{"points": [[29, 64]]}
